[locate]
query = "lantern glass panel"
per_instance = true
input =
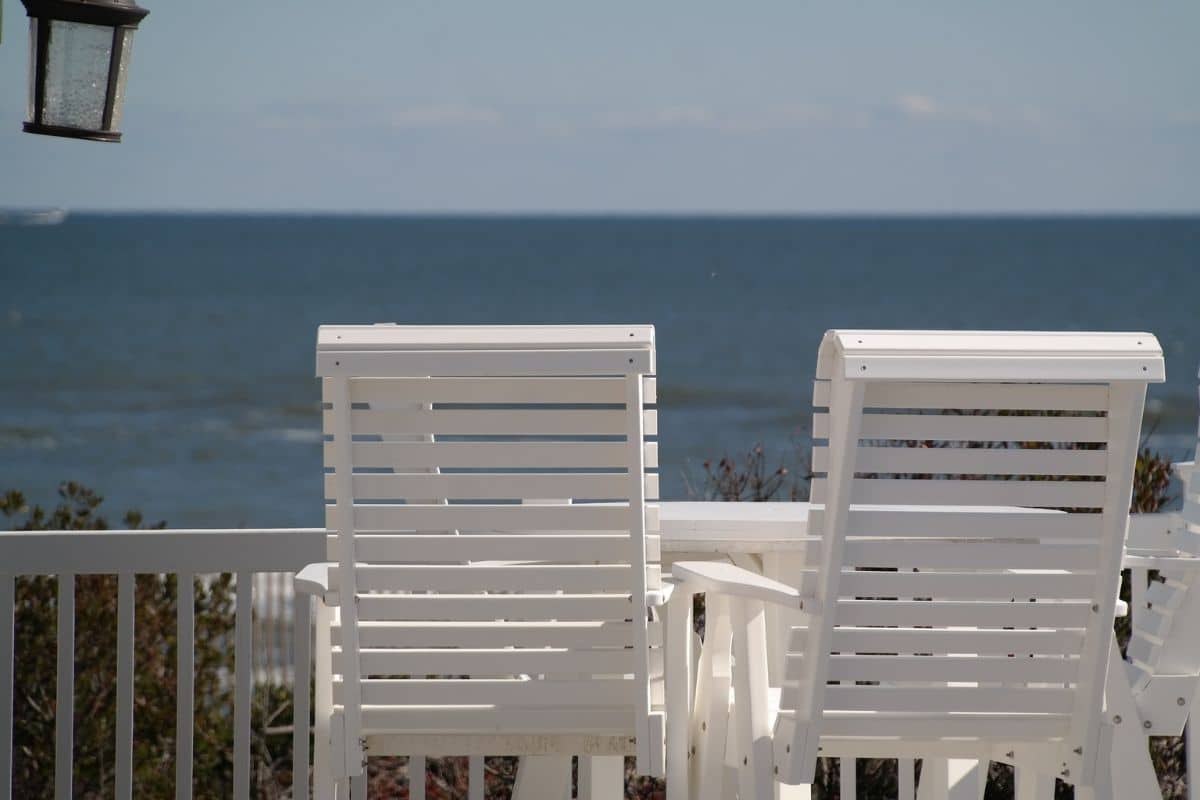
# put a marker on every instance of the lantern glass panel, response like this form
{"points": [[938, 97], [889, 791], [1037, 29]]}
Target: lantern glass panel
{"points": [[77, 74], [33, 29], [126, 35]]}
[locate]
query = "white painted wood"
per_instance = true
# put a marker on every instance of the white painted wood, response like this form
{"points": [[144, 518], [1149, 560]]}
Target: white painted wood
{"points": [[975, 461], [491, 422], [404, 392], [185, 622], [796, 751], [475, 785], [607, 548], [406, 456], [302, 671], [493, 662], [726, 579], [491, 485], [602, 578], [711, 717], [848, 776], [507, 607], [983, 522], [985, 396], [1033, 785], [679, 696], [906, 783], [756, 771], [7, 652], [64, 718], [123, 779], [959, 428], [543, 778], [392, 337], [603, 777], [595, 517], [1032, 494], [502, 634], [968, 585], [242, 649], [468, 363], [416, 776], [160, 551]]}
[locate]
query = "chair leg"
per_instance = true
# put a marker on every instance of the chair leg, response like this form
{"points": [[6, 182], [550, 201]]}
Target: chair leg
{"points": [[712, 702], [543, 778], [750, 698], [1033, 785], [907, 779], [603, 778], [416, 776], [343, 789], [935, 779], [358, 786], [678, 626]]}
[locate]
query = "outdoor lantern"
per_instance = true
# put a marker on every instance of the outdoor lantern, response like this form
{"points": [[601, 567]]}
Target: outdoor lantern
{"points": [[78, 64]]}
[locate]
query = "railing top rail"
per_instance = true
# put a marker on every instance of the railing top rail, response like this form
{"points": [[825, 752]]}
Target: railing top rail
{"points": [[155, 551]]}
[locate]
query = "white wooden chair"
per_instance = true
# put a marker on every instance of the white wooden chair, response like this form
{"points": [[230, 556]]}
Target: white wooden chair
{"points": [[946, 616], [487, 493]]}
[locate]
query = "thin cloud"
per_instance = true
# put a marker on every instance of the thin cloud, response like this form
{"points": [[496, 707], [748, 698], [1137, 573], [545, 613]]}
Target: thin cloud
{"points": [[444, 116]]}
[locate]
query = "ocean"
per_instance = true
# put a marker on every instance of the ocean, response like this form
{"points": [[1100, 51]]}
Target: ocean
{"points": [[167, 360]]}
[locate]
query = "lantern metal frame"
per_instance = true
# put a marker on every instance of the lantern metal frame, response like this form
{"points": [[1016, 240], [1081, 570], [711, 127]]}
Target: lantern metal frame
{"points": [[120, 15]]}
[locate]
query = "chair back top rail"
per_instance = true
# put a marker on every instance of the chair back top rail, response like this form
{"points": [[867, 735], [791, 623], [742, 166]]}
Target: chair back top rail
{"points": [[928, 588]]}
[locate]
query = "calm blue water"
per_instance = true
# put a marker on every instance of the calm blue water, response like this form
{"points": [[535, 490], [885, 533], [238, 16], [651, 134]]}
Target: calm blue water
{"points": [[167, 360]]}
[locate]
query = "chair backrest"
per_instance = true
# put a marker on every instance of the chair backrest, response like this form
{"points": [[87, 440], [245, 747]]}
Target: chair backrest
{"points": [[973, 495], [488, 487]]}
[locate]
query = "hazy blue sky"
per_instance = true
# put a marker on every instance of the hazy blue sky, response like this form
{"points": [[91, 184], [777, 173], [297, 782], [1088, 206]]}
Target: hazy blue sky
{"points": [[400, 105]]}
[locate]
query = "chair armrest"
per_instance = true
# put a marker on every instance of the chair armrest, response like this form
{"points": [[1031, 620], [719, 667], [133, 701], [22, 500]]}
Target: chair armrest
{"points": [[1184, 468], [660, 597], [313, 580], [721, 578]]}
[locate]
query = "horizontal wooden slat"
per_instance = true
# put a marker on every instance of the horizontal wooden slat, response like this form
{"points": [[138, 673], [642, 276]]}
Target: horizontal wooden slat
{"points": [[475, 577], [416, 548], [467, 661], [1167, 594], [485, 363], [493, 455], [574, 634], [948, 522], [1048, 494], [966, 585], [502, 692], [509, 719], [491, 517], [1010, 727], [924, 640], [486, 422], [491, 486], [493, 607], [958, 699], [984, 555], [975, 614], [397, 392], [960, 428], [982, 669], [971, 461], [976, 396]]}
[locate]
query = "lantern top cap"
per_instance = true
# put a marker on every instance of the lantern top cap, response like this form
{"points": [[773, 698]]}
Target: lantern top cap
{"points": [[113, 13]]}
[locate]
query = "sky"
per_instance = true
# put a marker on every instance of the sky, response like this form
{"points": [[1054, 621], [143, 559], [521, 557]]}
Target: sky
{"points": [[623, 107]]}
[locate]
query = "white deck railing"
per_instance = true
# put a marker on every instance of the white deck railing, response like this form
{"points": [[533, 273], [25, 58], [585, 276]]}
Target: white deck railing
{"points": [[185, 553], [265, 632]]}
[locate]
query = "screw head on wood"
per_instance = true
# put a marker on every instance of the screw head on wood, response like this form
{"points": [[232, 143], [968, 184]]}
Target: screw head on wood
{"points": [[745, 760], [1179, 701], [703, 726], [1117, 719], [1147, 725]]}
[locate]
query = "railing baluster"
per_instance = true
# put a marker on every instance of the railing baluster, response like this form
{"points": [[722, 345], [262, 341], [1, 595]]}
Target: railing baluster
{"points": [[416, 776], [242, 669], [125, 641], [475, 778], [64, 712], [185, 685], [7, 623], [301, 617], [907, 779]]}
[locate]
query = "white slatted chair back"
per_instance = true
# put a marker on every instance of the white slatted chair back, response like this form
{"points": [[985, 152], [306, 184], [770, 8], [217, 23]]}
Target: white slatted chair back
{"points": [[488, 487], [975, 491], [1164, 648]]}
